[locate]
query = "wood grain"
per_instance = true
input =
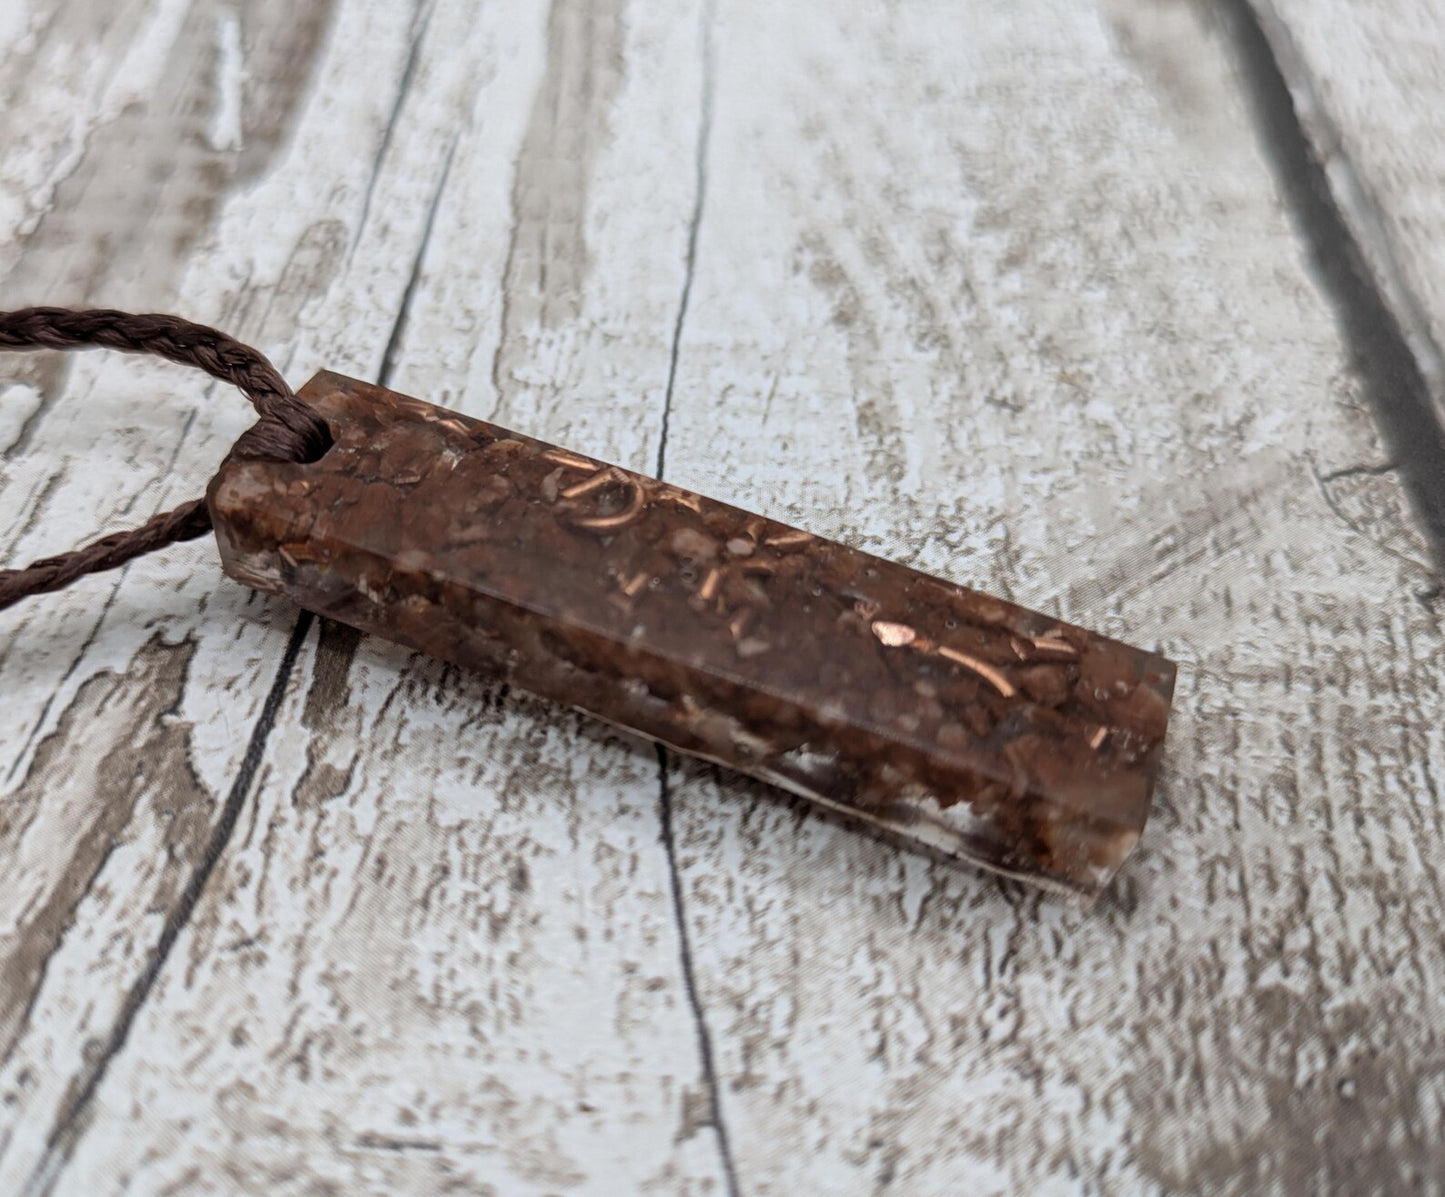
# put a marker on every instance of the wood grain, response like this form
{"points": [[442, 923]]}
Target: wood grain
{"points": [[1055, 339], [95, 447], [466, 937], [1365, 78], [1005, 292]]}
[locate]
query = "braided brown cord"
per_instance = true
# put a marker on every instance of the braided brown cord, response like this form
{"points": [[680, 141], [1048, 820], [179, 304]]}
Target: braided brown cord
{"points": [[287, 431]]}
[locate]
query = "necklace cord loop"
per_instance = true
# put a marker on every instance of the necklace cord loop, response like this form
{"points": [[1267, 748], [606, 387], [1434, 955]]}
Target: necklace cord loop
{"points": [[288, 430]]}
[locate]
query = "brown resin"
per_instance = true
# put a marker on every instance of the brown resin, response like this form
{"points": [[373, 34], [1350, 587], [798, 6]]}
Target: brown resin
{"points": [[956, 722]]}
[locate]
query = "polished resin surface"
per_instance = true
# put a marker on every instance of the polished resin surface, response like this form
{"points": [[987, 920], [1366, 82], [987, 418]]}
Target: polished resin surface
{"points": [[955, 722]]}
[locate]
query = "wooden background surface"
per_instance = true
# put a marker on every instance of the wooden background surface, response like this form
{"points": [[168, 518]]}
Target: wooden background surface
{"points": [[1129, 310]]}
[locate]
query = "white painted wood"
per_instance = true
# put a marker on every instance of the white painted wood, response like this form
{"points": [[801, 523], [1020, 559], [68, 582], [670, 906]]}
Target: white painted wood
{"points": [[1003, 291], [1044, 342], [532, 1031], [129, 699], [1366, 77]]}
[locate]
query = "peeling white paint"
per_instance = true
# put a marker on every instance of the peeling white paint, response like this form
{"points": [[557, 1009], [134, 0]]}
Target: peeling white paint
{"points": [[226, 120]]}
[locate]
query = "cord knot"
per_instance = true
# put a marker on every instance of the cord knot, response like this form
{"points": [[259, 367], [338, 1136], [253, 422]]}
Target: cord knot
{"points": [[288, 430]]}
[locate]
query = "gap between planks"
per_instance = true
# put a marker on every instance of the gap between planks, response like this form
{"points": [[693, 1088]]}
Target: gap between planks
{"points": [[1380, 320]]}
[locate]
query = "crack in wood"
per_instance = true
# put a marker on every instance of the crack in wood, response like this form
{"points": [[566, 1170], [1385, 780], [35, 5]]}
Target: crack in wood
{"points": [[1359, 471], [704, 137], [403, 313], [704, 1038], [422, 22], [715, 1116]]}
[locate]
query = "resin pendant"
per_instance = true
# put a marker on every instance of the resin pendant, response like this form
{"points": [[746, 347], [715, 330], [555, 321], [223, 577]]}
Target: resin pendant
{"points": [[957, 723]]}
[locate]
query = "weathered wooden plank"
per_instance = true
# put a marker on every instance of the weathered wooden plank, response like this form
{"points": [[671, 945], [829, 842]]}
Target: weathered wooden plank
{"points": [[441, 948], [1007, 291], [131, 699], [1367, 79], [1004, 292]]}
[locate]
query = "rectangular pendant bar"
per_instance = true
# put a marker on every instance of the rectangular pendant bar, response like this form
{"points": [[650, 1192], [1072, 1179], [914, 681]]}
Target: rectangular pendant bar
{"points": [[954, 722]]}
